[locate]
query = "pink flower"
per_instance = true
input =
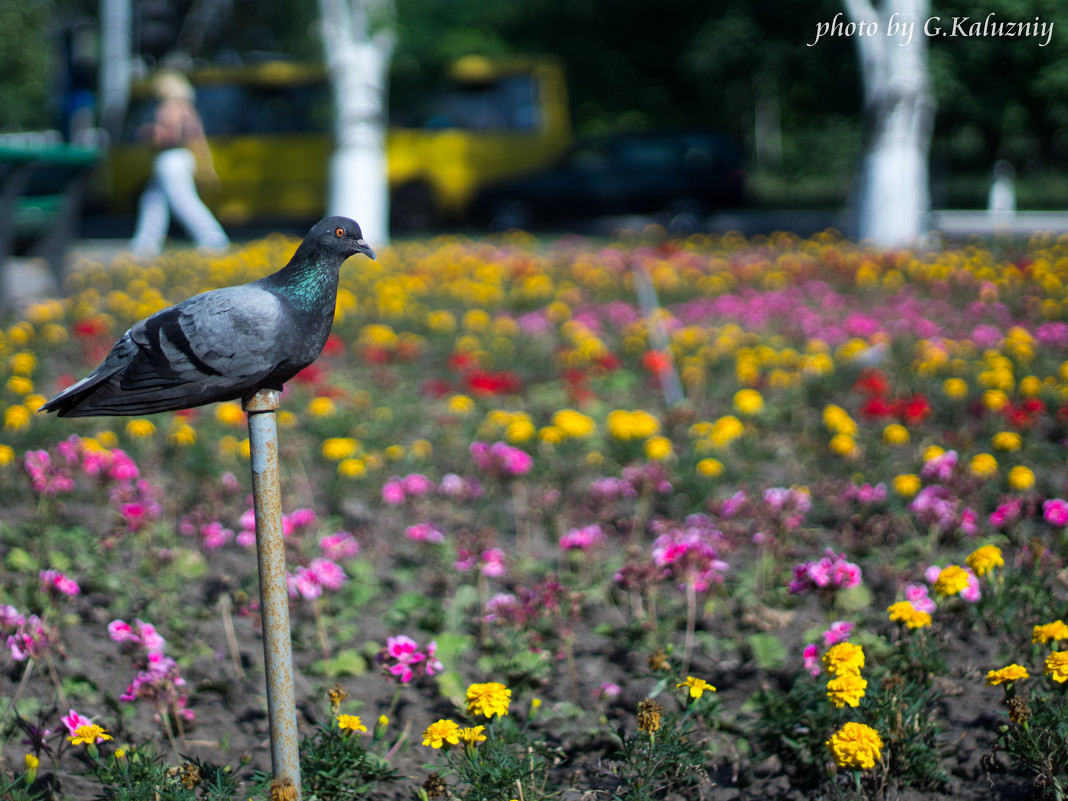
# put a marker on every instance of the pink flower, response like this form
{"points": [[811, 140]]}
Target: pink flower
{"points": [[214, 536], [492, 562], [123, 467], [339, 545], [811, 655], [1055, 512], [301, 518], [10, 617], [54, 580], [73, 721], [416, 484], [328, 573], [610, 690], [403, 656], [916, 594], [121, 631], [830, 573], [838, 631], [393, 492], [424, 532], [432, 663], [501, 459], [582, 539]]}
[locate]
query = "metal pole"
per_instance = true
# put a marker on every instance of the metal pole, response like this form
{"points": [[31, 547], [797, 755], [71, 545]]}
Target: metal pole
{"points": [[274, 594]]}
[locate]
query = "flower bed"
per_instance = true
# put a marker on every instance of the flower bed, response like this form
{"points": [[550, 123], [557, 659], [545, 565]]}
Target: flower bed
{"points": [[519, 570]]}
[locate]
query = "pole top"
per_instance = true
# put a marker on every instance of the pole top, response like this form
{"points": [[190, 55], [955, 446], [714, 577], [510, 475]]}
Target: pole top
{"points": [[266, 400]]}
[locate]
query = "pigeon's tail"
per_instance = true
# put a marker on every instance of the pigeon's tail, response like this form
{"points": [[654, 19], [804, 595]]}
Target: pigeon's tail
{"points": [[130, 382]]}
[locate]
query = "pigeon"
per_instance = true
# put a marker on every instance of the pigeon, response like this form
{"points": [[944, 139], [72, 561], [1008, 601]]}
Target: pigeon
{"points": [[224, 344]]}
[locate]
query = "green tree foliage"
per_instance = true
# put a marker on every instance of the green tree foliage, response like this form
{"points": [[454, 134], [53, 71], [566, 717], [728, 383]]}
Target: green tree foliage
{"points": [[26, 64]]}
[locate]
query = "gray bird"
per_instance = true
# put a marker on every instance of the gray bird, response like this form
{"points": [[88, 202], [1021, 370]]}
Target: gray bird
{"points": [[224, 344]]}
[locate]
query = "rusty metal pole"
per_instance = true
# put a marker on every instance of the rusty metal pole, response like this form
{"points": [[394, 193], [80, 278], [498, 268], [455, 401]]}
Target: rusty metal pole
{"points": [[274, 593]]}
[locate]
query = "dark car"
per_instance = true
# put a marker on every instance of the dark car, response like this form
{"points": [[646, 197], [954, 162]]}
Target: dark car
{"points": [[683, 175]]}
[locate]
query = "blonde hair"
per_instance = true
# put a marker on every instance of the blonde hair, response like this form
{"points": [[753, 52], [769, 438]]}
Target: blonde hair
{"points": [[173, 85]]}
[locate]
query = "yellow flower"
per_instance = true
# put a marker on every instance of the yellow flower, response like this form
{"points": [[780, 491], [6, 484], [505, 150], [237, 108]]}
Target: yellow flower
{"points": [[351, 723], [855, 746], [519, 431], [905, 612], [995, 400], [711, 468], [1006, 675], [955, 388], [628, 425], [748, 402], [321, 407], [441, 732], [229, 413], [574, 424], [473, 735], [140, 428], [1021, 478], [838, 420], [335, 449], [983, 560], [951, 580], [1006, 441], [846, 690], [696, 686], [352, 468], [23, 363], [844, 445], [1057, 666], [20, 385], [983, 465], [895, 434], [907, 484], [32, 762], [16, 418], [461, 405], [658, 448], [183, 435], [7, 455], [89, 734], [1049, 631], [489, 699], [843, 658]]}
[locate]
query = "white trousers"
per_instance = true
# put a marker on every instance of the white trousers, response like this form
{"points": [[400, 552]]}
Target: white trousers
{"points": [[171, 188]]}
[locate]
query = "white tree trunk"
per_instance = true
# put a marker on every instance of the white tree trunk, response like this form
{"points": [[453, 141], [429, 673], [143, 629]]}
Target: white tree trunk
{"points": [[899, 110], [358, 62]]}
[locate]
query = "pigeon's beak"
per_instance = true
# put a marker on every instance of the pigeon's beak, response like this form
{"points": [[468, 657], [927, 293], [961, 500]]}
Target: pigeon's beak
{"points": [[365, 249]]}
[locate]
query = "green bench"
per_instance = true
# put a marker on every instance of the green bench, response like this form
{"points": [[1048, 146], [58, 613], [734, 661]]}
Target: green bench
{"points": [[42, 187]]}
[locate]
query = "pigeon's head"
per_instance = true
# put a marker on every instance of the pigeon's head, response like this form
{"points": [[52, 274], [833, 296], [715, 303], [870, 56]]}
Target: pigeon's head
{"points": [[341, 235]]}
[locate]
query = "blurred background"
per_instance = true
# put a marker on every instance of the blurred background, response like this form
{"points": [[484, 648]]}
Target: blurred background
{"points": [[497, 112]]}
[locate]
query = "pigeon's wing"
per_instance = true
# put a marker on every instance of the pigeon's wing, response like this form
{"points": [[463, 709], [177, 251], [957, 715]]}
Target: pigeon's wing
{"points": [[213, 346]]}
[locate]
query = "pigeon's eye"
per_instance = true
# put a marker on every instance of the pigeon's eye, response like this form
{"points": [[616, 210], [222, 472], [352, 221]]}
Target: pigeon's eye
{"points": [[339, 232]]}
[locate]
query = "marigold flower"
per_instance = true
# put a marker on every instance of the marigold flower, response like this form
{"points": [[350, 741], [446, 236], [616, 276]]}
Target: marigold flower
{"points": [[182, 435], [473, 735], [489, 699], [1006, 675], [710, 468], [1021, 478], [905, 612], [844, 658], [907, 484], [748, 402], [1057, 666], [88, 734], [351, 723], [321, 407], [574, 424], [658, 448], [983, 560], [229, 413], [1056, 630], [1006, 441], [140, 428], [895, 434], [844, 445], [629, 425], [649, 712], [855, 746], [983, 465], [440, 733], [696, 686], [951, 580], [846, 690]]}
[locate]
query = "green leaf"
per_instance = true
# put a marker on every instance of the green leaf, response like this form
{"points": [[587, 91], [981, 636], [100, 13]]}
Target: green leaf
{"points": [[18, 559], [768, 650], [346, 663]]}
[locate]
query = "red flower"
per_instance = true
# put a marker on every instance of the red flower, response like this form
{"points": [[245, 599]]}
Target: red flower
{"points": [[915, 410], [483, 382], [656, 361], [877, 407], [872, 383], [334, 346]]}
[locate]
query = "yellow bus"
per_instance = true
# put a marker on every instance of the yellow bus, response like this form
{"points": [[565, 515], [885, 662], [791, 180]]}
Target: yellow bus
{"points": [[270, 129]]}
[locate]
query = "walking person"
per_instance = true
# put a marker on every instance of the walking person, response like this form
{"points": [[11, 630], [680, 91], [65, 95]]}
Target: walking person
{"points": [[177, 134]]}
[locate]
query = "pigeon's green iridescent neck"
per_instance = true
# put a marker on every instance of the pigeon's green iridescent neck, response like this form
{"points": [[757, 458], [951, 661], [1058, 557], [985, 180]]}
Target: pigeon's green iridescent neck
{"points": [[310, 286]]}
